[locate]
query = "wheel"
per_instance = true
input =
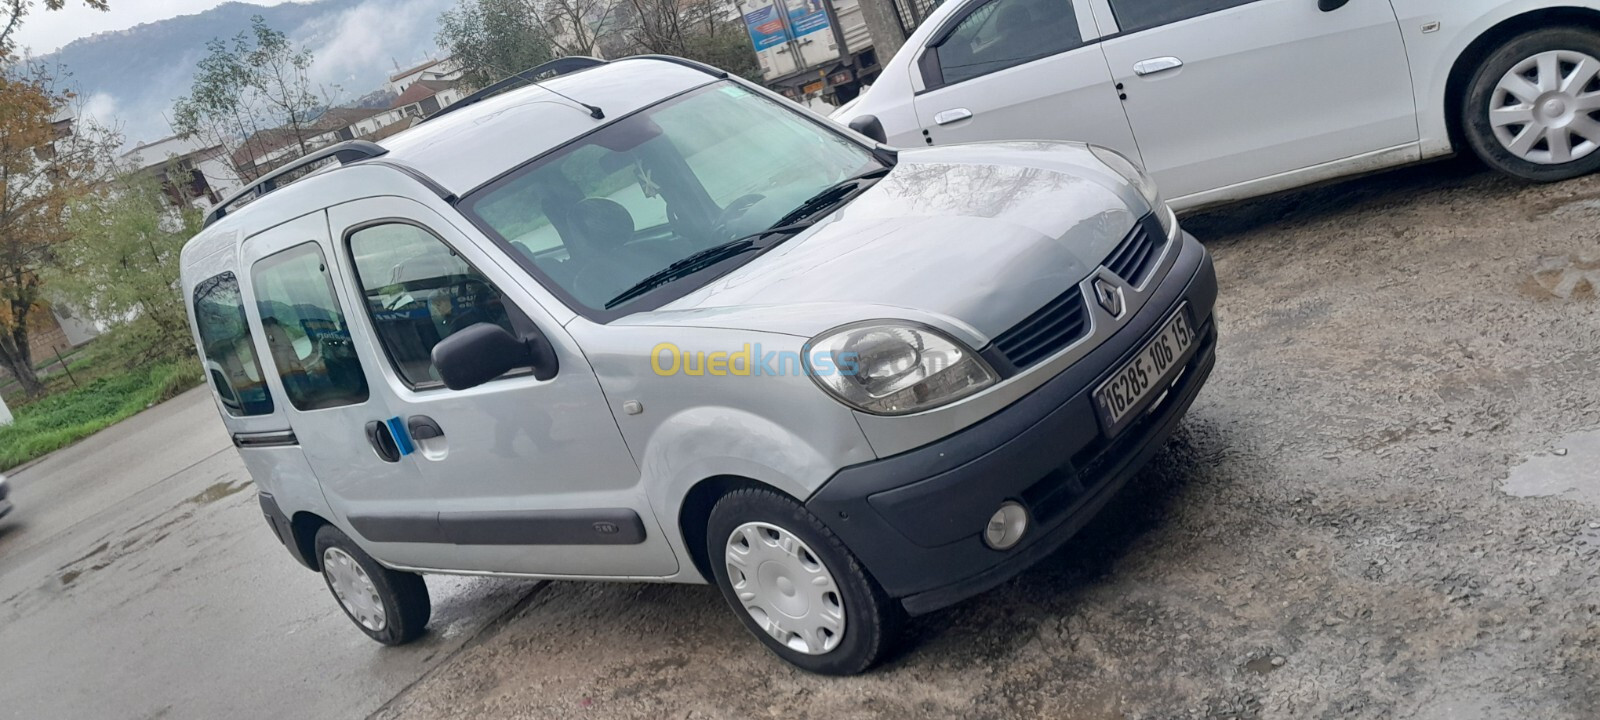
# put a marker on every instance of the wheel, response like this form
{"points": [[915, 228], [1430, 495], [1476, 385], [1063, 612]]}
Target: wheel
{"points": [[388, 605], [1532, 109], [797, 587]]}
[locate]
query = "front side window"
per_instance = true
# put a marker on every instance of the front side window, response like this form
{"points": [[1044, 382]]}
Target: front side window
{"points": [[419, 291], [620, 204], [306, 331], [232, 367], [1006, 33], [1136, 15]]}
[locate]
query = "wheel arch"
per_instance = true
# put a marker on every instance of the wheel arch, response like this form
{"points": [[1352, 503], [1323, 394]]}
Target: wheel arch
{"points": [[695, 512], [1488, 41], [303, 527]]}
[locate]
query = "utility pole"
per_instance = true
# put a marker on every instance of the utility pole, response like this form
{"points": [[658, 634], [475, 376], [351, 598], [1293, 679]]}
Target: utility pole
{"points": [[884, 24]]}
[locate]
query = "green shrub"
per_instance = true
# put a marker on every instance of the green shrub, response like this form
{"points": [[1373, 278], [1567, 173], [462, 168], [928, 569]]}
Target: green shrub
{"points": [[66, 417]]}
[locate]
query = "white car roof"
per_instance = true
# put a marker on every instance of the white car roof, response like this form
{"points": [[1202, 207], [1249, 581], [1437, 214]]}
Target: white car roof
{"points": [[466, 148], [457, 151]]}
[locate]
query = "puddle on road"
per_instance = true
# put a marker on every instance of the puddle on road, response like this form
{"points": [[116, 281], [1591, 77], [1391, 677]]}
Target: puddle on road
{"points": [[217, 492], [1571, 469]]}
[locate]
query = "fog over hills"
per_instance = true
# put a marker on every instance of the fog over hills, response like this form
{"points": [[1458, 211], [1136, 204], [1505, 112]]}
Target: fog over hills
{"points": [[130, 78]]}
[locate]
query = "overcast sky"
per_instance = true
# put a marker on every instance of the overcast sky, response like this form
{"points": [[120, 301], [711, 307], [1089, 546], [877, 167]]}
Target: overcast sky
{"points": [[45, 31]]}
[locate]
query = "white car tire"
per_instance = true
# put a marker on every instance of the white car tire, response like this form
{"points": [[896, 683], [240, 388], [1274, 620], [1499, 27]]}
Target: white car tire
{"points": [[801, 591], [390, 606], [1532, 109]]}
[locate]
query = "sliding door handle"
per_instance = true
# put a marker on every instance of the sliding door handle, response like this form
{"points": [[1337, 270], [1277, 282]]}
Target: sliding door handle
{"points": [[1331, 5], [382, 441], [1156, 65]]}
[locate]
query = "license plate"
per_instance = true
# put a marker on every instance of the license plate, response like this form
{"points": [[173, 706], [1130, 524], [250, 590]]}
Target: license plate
{"points": [[1148, 373]]}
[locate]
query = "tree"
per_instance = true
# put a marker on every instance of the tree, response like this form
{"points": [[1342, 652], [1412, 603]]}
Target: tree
{"points": [[12, 12], [121, 264], [493, 39], [255, 90], [44, 164], [695, 29]]}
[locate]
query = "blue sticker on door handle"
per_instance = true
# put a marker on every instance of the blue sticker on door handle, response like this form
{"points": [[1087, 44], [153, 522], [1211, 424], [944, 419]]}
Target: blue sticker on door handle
{"points": [[402, 439]]}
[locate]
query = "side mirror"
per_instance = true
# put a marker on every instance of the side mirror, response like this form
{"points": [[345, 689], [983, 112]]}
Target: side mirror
{"points": [[485, 351], [870, 126]]}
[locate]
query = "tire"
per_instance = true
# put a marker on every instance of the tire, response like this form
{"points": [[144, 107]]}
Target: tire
{"points": [[868, 621], [1484, 93], [402, 596]]}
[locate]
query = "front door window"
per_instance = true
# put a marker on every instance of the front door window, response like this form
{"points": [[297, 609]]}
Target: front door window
{"points": [[419, 291]]}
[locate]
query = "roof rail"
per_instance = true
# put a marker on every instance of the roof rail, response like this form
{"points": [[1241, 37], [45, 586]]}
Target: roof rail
{"points": [[686, 62], [346, 152], [558, 66]]}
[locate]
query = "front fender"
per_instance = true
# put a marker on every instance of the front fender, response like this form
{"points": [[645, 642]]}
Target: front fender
{"points": [[777, 429], [1435, 54]]}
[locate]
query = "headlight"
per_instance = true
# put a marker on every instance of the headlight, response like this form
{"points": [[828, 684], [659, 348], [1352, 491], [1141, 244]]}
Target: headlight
{"points": [[895, 368], [1141, 180]]}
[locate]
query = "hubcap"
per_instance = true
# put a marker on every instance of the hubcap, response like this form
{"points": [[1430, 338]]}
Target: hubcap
{"points": [[354, 589], [785, 588], [1543, 109]]}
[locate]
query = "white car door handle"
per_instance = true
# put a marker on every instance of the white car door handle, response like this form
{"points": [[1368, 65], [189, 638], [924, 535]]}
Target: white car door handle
{"points": [[1156, 65], [950, 116]]}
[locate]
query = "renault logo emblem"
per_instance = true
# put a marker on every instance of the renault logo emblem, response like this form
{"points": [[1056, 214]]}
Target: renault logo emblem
{"points": [[1110, 297]]}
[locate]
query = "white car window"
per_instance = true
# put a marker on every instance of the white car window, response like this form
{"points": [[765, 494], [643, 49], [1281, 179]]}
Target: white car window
{"points": [[1006, 33], [419, 292], [1136, 15]]}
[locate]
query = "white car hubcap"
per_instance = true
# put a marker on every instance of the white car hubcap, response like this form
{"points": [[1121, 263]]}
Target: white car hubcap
{"points": [[785, 588], [1543, 109], [354, 589]]}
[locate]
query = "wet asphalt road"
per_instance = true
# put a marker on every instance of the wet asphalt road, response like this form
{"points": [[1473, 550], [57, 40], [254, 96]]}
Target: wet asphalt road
{"points": [[138, 580], [1384, 505]]}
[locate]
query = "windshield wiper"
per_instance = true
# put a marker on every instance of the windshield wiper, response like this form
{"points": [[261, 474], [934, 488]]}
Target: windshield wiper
{"points": [[704, 259], [830, 196]]}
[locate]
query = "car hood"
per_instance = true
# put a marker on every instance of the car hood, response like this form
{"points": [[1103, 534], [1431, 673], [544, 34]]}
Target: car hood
{"points": [[973, 238]]}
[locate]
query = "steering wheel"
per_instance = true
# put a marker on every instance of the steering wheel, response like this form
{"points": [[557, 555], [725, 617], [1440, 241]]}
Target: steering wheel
{"points": [[736, 210]]}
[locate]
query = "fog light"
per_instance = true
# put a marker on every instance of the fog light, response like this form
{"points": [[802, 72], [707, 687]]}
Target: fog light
{"points": [[1006, 526]]}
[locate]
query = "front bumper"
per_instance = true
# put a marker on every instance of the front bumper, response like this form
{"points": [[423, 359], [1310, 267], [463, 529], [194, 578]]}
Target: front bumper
{"points": [[1046, 451]]}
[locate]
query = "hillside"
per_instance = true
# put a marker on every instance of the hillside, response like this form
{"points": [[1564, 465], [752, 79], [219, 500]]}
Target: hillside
{"points": [[132, 76]]}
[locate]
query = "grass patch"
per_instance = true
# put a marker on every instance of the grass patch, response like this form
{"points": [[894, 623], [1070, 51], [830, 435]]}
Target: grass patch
{"points": [[66, 417]]}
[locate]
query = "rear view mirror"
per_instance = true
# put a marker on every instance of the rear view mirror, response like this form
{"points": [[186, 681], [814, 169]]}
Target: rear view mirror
{"points": [[870, 126], [485, 351]]}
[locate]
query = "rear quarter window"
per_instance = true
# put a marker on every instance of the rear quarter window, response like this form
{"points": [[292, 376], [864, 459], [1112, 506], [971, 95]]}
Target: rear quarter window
{"points": [[228, 349]]}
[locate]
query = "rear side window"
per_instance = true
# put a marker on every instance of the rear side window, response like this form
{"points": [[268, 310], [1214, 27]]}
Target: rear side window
{"points": [[419, 291], [229, 352], [1136, 15], [1006, 33], [306, 331]]}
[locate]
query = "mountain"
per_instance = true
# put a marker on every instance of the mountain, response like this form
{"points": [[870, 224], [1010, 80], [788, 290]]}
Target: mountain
{"points": [[129, 78]]}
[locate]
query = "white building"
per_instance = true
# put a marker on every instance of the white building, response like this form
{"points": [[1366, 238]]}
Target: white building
{"points": [[446, 69], [192, 172]]}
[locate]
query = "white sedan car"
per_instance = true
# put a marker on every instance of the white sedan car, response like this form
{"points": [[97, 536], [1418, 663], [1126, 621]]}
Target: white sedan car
{"points": [[1227, 99]]}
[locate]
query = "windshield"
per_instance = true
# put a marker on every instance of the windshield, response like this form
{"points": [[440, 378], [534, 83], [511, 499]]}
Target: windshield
{"points": [[620, 204]]}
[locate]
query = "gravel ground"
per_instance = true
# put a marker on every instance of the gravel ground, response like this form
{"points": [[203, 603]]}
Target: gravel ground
{"points": [[1385, 504]]}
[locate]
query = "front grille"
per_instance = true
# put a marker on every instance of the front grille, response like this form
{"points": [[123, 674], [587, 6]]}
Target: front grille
{"points": [[1058, 324], [1065, 320], [1136, 256]]}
